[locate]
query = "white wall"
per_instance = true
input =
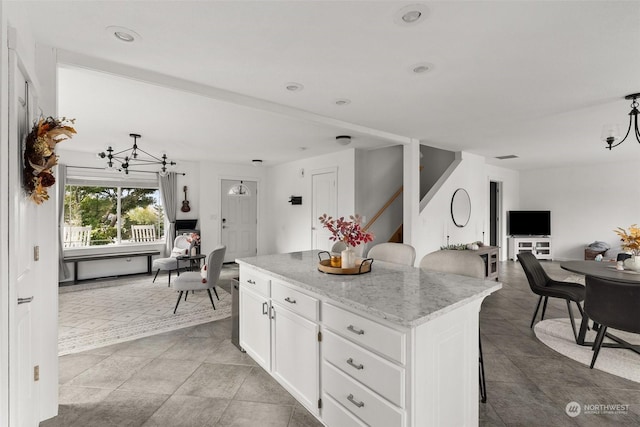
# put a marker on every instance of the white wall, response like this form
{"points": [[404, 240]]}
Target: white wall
{"points": [[289, 227], [586, 202], [435, 221], [209, 200], [378, 176]]}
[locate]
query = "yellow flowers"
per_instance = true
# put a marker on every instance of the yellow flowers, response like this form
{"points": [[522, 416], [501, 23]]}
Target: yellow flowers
{"points": [[631, 240]]}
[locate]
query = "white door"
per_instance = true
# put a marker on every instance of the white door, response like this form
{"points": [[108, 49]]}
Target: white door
{"points": [[23, 410], [239, 213], [323, 200]]}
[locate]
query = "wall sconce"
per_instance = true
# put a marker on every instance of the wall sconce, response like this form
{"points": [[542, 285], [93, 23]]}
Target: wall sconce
{"points": [[295, 200]]}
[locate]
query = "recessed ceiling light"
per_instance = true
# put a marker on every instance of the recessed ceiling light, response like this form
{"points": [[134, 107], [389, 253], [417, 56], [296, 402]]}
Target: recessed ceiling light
{"points": [[302, 148], [411, 15], [343, 101], [293, 87], [123, 34], [421, 68]]}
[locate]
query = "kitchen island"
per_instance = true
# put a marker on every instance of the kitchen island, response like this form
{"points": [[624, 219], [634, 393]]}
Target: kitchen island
{"points": [[394, 347]]}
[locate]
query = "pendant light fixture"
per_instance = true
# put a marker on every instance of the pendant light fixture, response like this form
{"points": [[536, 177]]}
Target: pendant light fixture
{"points": [[122, 161], [611, 133]]}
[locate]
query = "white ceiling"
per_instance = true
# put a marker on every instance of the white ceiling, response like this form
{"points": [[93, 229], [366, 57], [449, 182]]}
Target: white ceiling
{"points": [[535, 79]]}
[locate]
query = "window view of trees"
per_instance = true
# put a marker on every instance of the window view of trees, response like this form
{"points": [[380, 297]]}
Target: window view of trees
{"points": [[97, 207]]}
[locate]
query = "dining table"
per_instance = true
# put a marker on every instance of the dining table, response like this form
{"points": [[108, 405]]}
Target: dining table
{"points": [[603, 270]]}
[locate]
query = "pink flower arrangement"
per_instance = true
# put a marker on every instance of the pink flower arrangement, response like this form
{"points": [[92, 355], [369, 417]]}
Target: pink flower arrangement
{"points": [[349, 232], [194, 239]]}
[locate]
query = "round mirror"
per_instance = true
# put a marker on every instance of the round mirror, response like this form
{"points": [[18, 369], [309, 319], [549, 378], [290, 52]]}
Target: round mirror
{"points": [[460, 207]]}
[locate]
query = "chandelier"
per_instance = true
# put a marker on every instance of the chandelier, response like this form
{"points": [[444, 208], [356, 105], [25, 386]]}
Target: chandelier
{"points": [[611, 133], [121, 161]]}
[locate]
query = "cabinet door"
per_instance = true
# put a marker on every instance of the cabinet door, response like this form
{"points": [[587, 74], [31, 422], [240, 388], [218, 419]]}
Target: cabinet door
{"points": [[296, 356], [255, 327]]}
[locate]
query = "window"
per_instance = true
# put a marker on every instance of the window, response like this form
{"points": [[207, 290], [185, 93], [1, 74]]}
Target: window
{"points": [[111, 215]]}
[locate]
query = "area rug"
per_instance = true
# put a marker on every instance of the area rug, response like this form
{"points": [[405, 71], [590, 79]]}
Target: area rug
{"points": [[121, 310], [557, 334]]}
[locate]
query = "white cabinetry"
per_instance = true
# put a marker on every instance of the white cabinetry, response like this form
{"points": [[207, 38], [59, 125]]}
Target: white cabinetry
{"points": [[255, 318], [278, 329], [539, 246], [363, 382], [367, 370], [296, 349]]}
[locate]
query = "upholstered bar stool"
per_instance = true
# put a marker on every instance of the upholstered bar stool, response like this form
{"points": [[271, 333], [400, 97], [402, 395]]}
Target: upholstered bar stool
{"points": [[465, 263]]}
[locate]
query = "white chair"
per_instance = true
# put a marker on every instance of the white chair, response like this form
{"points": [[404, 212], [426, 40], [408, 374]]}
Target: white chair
{"points": [[181, 246], [464, 263], [76, 237], [143, 233], [397, 253], [194, 281]]}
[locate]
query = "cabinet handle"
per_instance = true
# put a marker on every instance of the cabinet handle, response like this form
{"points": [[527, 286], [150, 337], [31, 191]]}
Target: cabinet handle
{"points": [[358, 367], [351, 328], [251, 282], [289, 300], [265, 307], [25, 300], [351, 399]]}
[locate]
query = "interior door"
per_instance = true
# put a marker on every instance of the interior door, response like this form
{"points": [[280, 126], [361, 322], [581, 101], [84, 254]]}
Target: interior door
{"points": [[239, 213], [323, 200], [23, 230]]}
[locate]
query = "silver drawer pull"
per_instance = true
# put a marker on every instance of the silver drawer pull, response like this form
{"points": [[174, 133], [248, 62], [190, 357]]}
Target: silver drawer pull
{"points": [[358, 367], [354, 330], [251, 282], [354, 401], [289, 300], [24, 300]]}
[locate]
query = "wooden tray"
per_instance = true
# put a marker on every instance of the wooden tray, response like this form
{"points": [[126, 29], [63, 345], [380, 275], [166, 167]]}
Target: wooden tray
{"points": [[362, 266]]}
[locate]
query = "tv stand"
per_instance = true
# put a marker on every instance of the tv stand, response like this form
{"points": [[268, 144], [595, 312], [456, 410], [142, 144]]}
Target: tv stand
{"points": [[540, 246]]}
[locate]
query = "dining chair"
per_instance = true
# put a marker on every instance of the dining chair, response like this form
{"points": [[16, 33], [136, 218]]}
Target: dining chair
{"points": [[181, 246], [464, 263], [544, 286], [612, 304], [397, 253], [195, 281]]}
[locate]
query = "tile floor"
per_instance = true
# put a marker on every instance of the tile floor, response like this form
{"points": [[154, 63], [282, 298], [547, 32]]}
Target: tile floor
{"points": [[196, 377]]}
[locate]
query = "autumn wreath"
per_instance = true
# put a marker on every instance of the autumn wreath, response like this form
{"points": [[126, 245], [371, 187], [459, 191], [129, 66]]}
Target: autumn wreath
{"points": [[40, 156]]}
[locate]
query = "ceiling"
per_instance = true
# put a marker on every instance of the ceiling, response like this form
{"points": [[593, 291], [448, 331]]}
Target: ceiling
{"points": [[206, 80]]}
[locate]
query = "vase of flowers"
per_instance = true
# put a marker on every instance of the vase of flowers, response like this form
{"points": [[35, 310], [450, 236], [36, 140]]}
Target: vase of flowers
{"points": [[348, 231], [630, 239]]}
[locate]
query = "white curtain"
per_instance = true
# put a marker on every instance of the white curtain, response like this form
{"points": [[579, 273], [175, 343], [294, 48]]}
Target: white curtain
{"points": [[63, 270], [169, 194]]}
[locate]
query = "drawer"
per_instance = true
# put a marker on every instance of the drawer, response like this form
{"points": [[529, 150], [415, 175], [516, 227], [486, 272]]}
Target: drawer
{"points": [[255, 281], [333, 414], [378, 374], [372, 409], [295, 301], [380, 338]]}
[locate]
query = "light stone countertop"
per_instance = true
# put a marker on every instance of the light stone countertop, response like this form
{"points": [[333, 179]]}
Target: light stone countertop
{"points": [[406, 296]]}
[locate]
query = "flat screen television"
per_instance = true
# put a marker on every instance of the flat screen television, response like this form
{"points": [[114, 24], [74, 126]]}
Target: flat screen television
{"points": [[529, 223]]}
